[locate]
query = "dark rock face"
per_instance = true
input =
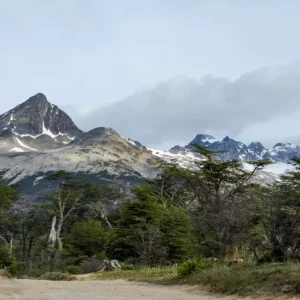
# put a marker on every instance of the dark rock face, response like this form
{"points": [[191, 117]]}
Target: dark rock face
{"points": [[226, 149], [284, 152], [203, 139], [136, 144], [40, 123], [96, 137], [177, 148], [230, 149]]}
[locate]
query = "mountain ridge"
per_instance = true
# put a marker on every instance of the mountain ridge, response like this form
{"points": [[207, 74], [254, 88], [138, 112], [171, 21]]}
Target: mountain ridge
{"points": [[232, 149], [37, 139]]}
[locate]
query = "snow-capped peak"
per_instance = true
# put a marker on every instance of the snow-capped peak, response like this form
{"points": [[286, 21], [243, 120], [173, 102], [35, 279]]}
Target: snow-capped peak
{"points": [[38, 124]]}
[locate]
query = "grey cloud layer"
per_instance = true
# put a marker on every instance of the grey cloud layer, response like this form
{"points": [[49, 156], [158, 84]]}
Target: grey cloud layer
{"points": [[176, 110]]}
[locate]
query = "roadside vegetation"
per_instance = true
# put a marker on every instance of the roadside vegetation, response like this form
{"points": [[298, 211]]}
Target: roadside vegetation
{"points": [[161, 275], [211, 224]]}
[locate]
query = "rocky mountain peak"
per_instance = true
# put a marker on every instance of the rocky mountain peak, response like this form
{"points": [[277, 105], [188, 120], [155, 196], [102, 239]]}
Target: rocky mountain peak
{"points": [[228, 139], [39, 123], [255, 145], [228, 148], [203, 139], [96, 136], [38, 98]]}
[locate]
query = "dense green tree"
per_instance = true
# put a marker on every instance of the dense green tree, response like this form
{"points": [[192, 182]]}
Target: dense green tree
{"points": [[276, 234], [219, 194], [176, 227], [135, 215], [102, 200], [8, 195], [33, 225], [151, 232], [87, 238], [7, 261]]}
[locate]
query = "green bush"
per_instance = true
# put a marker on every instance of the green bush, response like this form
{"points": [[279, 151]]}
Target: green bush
{"points": [[91, 265], [57, 276], [150, 233], [7, 261], [249, 279], [190, 266], [74, 270], [88, 239]]}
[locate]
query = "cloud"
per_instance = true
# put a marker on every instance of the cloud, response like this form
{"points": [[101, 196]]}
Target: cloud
{"points": [[175, 111]]}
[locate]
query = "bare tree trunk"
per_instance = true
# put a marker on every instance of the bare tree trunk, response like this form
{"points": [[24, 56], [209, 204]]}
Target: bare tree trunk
{"points": [[107, 222], [58, 238], [11, 245], [52, 235]]}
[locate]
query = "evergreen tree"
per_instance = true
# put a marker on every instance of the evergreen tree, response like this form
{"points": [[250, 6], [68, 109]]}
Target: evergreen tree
{"points": [[145, 223], [87, 238]]}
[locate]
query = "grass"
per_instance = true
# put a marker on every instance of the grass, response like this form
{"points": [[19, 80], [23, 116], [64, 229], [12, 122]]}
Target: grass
{"points": [[249, 279], [57, 276], [243, 280], [143, 274], [4, 274]]}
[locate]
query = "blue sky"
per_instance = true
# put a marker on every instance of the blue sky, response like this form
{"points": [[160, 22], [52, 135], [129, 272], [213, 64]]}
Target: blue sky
{"points": [[87, 53]]}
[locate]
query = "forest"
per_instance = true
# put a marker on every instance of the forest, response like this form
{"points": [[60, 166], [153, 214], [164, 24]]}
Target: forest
{"points": [[213, 213]]}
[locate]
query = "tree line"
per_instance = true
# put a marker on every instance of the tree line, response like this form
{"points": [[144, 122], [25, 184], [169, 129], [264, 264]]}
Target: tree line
{"points": [[215, 208]]}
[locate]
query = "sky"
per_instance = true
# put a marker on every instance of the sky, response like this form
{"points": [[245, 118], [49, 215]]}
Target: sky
{"points": [[86, 55]]}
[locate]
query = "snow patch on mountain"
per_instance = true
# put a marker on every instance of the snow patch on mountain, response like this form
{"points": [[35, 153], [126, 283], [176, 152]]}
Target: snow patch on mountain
{"points": [[11, 119], [187, 158], [277, 169], [183, 158], [37, 179], [16, 149], [131, 142], [25, 146]]}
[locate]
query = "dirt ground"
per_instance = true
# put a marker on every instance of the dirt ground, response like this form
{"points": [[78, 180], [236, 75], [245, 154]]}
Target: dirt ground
{"points": [[100, 290]]}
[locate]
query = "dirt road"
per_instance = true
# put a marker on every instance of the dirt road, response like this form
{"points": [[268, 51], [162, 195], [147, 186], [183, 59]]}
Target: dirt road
{"points": [[108, 290], [100, 290]]}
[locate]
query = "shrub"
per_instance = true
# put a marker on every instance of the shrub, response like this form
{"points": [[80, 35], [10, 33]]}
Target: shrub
{"points": [[150, 233], [5, 274], [7, 261], [73, 270], [91, 265], [87, 239], [56, 276], [190, 266]]}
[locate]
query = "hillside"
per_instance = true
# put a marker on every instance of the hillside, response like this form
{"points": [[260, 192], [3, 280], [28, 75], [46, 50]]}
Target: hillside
{"points": [[37, 138]]}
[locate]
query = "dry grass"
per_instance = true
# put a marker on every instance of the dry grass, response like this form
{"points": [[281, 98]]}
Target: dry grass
{"points": [[145, 274], [57, 276], [4, 274]]}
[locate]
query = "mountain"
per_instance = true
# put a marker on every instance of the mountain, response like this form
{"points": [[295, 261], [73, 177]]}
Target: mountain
{"points": [[203, 139], [229, 148], [36, 125], [284, 151], [99, 155], [37, 139]]}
